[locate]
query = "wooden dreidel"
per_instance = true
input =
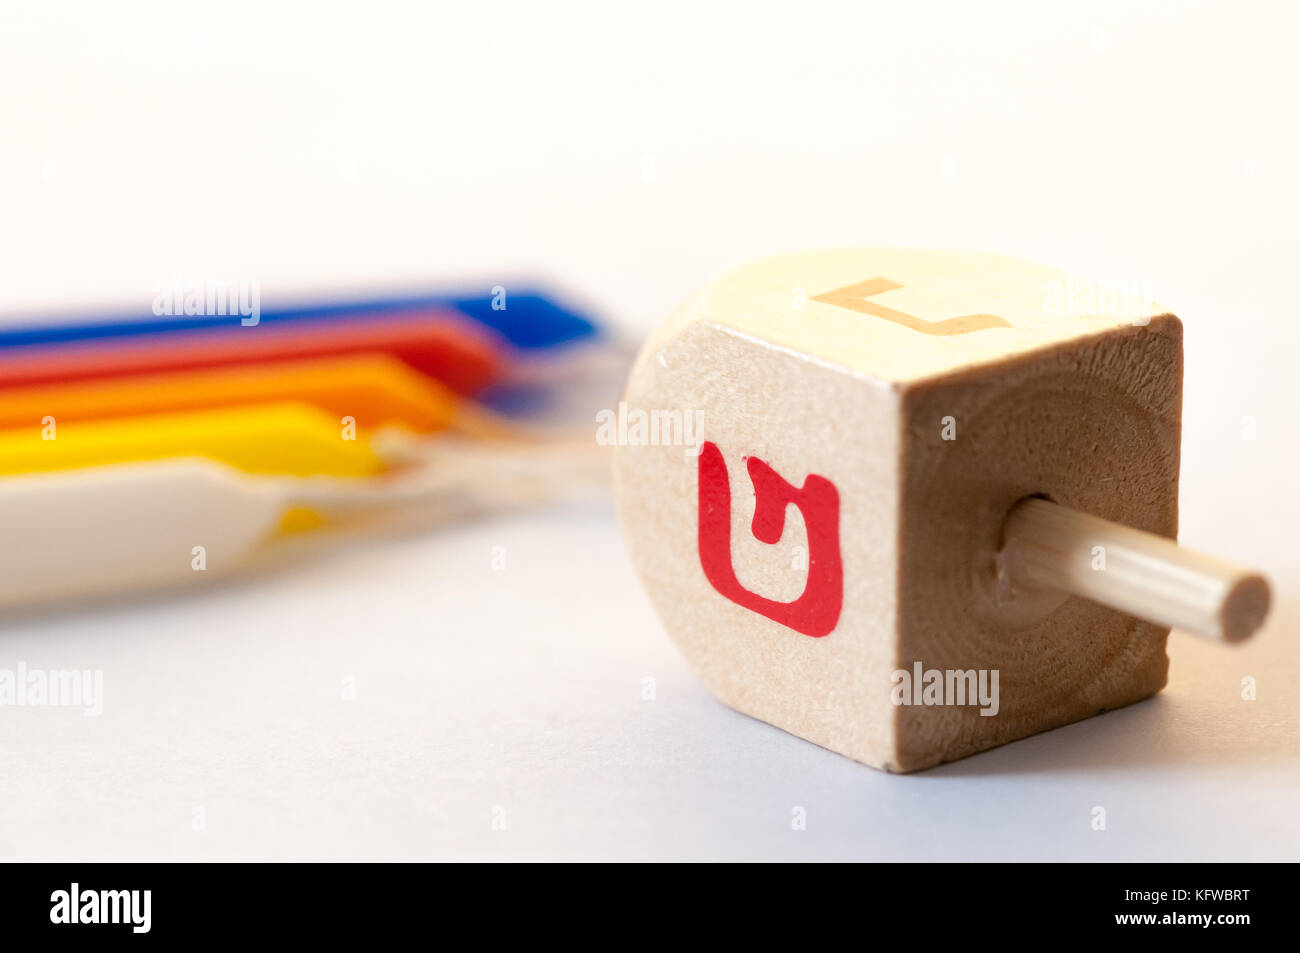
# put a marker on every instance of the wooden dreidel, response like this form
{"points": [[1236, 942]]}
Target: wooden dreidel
{"points": [[912, 505]]}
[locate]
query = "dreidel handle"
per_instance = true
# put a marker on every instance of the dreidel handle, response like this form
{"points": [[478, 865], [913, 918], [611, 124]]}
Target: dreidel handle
{"points": [[1048, 546]]}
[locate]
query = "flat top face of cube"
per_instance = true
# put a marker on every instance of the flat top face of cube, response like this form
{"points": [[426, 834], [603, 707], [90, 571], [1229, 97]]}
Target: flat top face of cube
{"points": [[902, 315]]}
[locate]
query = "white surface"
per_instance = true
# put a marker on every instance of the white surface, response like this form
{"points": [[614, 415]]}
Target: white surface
{"points": [[630, 157]]}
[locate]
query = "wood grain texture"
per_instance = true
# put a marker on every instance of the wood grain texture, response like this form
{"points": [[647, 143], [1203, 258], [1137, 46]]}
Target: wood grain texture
{"points": [[1092, 424], [1081, 408]]}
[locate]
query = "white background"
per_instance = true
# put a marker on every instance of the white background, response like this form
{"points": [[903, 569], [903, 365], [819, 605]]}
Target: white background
{"points": [[628, 154]]}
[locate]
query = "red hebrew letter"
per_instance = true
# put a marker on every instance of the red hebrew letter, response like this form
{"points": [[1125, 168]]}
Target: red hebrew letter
{"points": [[815, 612]]}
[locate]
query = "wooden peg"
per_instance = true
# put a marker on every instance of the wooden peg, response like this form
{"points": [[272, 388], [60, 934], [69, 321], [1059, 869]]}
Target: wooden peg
{"points": [[1049, 546], [831, 542]]}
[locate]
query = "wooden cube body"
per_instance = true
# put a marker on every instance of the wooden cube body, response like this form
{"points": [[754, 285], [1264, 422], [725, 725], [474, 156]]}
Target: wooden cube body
{"points": [[866, 420]]}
